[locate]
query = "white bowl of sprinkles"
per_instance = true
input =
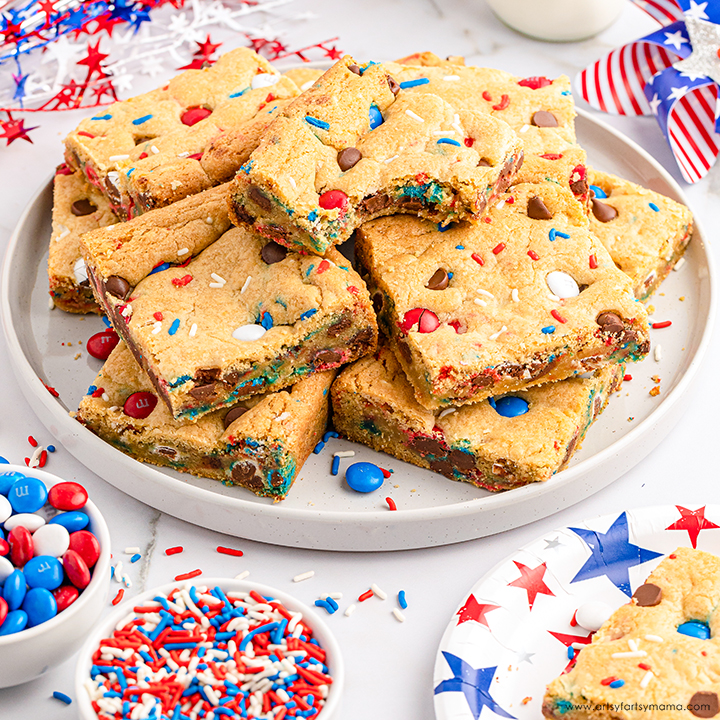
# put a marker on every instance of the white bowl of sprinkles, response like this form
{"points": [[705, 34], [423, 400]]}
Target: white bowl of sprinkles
{"points": [[238, 645]]}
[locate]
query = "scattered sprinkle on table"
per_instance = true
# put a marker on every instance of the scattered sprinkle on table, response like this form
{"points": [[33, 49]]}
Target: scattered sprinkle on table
{"points": [[229, 551], [62, 697], [304, 576]]}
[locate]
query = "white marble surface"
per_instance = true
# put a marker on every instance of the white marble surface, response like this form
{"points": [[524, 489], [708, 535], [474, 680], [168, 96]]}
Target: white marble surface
{"points": [[389, 664]]}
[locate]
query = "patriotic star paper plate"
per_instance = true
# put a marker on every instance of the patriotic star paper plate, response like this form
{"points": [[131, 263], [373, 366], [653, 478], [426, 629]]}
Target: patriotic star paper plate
{"points": [[510, 636]]}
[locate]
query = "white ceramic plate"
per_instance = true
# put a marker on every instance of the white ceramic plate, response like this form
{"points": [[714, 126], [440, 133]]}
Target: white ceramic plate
{"points": [[321, 512], [509, 649]]}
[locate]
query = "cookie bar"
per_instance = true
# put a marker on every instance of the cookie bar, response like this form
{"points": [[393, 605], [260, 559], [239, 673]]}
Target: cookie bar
{"points": [[645, 233], [350, 149], [148, 151], [243, 317], [260, 443], [651, 658], [512, 441], [528, 297], [77, 208]]}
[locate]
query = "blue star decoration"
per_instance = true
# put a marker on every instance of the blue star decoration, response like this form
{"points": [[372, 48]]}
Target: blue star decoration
{"points": [[473, 683], [612, 554]]}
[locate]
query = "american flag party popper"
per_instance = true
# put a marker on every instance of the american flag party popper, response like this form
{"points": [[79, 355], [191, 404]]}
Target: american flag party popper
{"points": [[673, 74]]}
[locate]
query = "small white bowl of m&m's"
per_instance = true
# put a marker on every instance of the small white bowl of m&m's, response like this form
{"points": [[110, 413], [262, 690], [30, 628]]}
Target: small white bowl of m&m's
{"points": [[54, 569], [216, 649]]}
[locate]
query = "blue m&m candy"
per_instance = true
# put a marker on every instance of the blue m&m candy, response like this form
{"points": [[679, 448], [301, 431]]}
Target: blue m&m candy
{"points": [[364, 477], [376, 118], [44, 571], [600, 194], [7, 479], [696, 629], [15, 621], [27, 495], [40, 606], [510, 406], [14, 589], [72, 521]]}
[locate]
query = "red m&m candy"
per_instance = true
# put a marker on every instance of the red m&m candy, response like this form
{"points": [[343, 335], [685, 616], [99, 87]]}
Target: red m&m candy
{"points": [[3, 610], [333, 199], [76, 569], [102, 344], [139, 405], [21, 546], [65, 596], [68, 496], [4, 547], [194, 115], [85, 544]]}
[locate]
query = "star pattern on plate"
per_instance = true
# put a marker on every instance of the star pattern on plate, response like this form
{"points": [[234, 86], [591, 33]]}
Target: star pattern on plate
{"points": [[531, 580], [612, 554], [552, 544], [693, 521], [473, 610], [473, 683]]}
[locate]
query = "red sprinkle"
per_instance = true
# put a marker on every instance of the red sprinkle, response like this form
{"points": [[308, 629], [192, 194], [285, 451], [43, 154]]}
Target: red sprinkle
{"points": [[593, 262], [477, 259], [644, 666], [85, 134], [352, 289], [194, 115], [32, 441], [322, 267], [469, 142], [188, 575], [672, 556], [487, 96], [533, 255], [573, 621], [43, 459], [158, 316], [386, 473], [98, 393], [551, 156], [51, 390], [174, 550], [142, 156], [504, 102], [535, 82], [229, 551], [181, 282], [498, 248], [608, 680], [391, 503], [366, 596], [661, 325], [487, 219], [421, 178], [118, 597], [627, 378], [558, 316]]}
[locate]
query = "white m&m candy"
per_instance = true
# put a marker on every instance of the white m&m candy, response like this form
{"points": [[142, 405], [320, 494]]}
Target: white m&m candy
{"points": [[562, 285], [51, 540], [592, 615]]}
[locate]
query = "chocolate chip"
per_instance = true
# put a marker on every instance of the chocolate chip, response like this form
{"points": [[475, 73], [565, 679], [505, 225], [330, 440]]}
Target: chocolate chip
{"points": [[243, 473], [610, 323], [203, 392], [231, 378], [273, 252], [482, 381], [543, 118], [82, 207], [362, 338], [349, 157], [483, 163], [259, 198], [276, 479], [427, 446], [443, 467], [339, 326], [242, 215], [410, 204], [328, 357], [376, 203], [203, 376], [648, 595], [233, 415], [118, 287], [461, 460], [537, 209], [439, 281], [603, 212], [704, 704], [405, 351], [378, 300], [579, 187], [393, 85], [354, 69]]}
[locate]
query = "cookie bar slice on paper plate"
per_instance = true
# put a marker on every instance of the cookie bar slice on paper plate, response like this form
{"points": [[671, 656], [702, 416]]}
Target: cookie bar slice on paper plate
{"points": [[354, 147], [656, 657], [260, 443], [193, 133], [77, 208], [497, 445], [242, 317], [529, 297], [646, 233]]}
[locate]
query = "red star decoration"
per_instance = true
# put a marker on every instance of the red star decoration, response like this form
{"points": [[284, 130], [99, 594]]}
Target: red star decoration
{"points": [[693, 521], [12, 32], [48, 8], [473, 610], [14, 130], [67, 96], [567, 641], [333, 53], [93, 59], [107, 23], [105, 88], [207, 48], [531, 580]]}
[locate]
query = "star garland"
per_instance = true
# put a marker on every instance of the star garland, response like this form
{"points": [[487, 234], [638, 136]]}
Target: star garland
{"points": [[51, 57]]}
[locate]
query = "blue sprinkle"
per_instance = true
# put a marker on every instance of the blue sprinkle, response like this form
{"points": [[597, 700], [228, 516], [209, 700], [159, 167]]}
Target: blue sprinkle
{"points": [[450, 276], [174, 327], [566, 92], [548, 329], [310, 120], [326, 605], [445, 228], [557, 234], [310, 269], [510, 406], [570, 652], [267, 627], [459, 247], [141, 120], [600, 194], [308, 314], [57, 694], [330, 434], [368, 66], [414, 83], [5, 461], [238, 94], [331, 603], [160, 267], [106, 321], [135, 557], [402, 602], [247, 167], [318, 448], [617, 684], [91, 390], [654, 207], [376, 118], [335, 466], [266, 321], [448, 141], [312, 216], [101, 117], [130, 172]]}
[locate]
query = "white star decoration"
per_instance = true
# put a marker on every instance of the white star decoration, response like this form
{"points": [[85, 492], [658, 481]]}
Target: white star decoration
{"points": [[705, 40], [675, 39], [677, 93], [654, 103], [524, 656], [551, 544], [696, 11]]}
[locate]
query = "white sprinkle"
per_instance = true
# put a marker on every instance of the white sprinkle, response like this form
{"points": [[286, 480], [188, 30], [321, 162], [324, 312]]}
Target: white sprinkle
{"points": [[292, 182], [456, 125], [125, 621], [446, 412], [193, 330], [175, 184], [524, 128], [654, 638], [496, 335], [157, 327], [35, 459], [500, 205], [394, 157], [182, 251], [633, 645], [209, 220], [631, 654], [51, 303], [263, 80], [577, 645], [307, 85], [218, 278], [132, 550], [282, 416], [398, 615], [527, 375], [242, 575], [646, 679], [679, 264], [378, 592], [216, 285], [344, 454], [350, 609], [80, 271], [450, 78], [126, 311], [105, 397], [64, 232], [485, 292], [115, 158], [514, 295], [478, 301], [414, 116], [154, 149], [247, 282], [304, 576], [183, 154], [443, 132], [126, 581], [658, 353]]}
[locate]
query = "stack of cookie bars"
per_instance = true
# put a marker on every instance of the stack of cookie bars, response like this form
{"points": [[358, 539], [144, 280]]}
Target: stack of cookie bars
{"points": [[505, 275]]}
